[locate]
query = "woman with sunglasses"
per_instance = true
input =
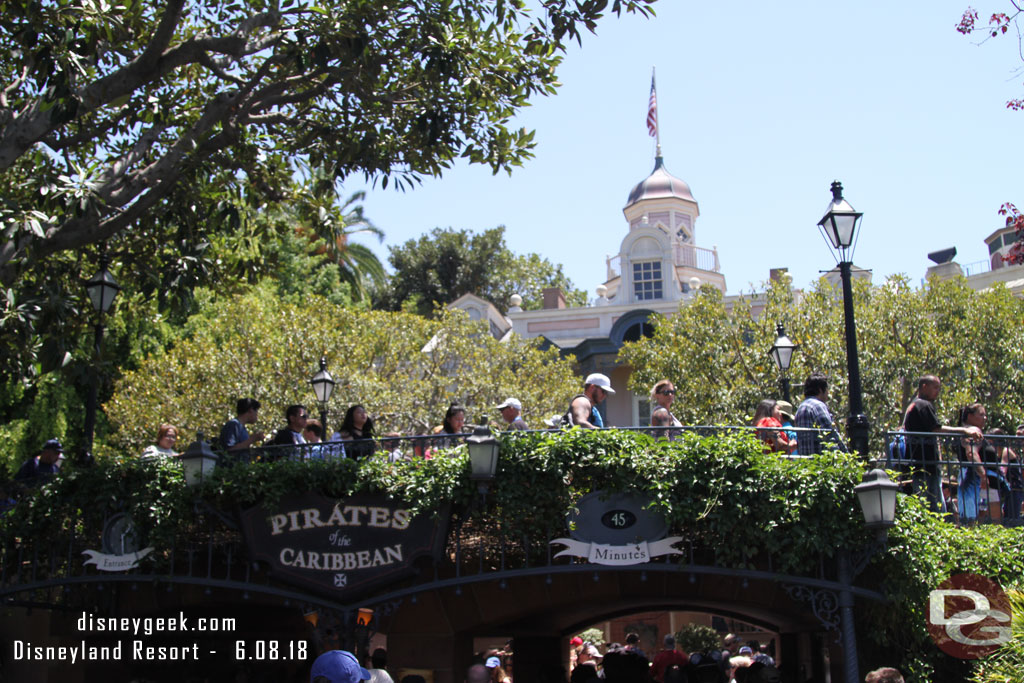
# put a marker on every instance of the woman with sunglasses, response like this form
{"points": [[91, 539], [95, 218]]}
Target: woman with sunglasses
{"points": [[662, 396]]}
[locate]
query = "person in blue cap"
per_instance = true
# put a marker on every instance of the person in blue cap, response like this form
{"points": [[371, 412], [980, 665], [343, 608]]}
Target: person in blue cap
{"points": [[337, 666], [46, 464]]}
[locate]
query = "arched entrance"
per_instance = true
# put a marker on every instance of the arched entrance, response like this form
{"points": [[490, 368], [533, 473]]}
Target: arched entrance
{"points": [[435, 628]]}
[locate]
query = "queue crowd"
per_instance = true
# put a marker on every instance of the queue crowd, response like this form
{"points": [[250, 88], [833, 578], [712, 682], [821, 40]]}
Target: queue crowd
{"points": [[736, 661], [990, 469]]}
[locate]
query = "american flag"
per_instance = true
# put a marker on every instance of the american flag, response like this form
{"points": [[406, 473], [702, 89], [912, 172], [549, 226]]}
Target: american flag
{"points": [[652, 112]]}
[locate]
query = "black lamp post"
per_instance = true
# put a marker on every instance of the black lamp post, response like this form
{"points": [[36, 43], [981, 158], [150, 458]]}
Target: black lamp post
{"points": [[782, 353], [323, 387], [102, 288], [840, 227], [877, 497]]}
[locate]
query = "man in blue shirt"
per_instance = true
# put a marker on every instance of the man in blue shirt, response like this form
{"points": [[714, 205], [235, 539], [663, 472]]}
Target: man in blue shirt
{"points": [[234, 437]]}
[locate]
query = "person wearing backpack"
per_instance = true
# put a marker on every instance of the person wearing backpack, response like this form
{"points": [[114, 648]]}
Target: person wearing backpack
{"points": [[583, 407]]}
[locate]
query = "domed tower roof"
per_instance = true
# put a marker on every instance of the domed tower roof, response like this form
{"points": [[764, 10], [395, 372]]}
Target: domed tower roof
{"points": [[658, 185]]}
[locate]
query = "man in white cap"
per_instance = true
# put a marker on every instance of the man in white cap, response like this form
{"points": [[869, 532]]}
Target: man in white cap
{"points": [[583, 407], [510, 410], [337, 666]]}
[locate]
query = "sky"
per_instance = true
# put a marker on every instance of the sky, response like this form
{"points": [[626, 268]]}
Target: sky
{"points": [[761, 107]]}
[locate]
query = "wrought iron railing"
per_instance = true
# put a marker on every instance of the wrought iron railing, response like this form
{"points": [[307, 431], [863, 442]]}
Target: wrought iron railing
{"points": [[425, 445], [941, 468]]}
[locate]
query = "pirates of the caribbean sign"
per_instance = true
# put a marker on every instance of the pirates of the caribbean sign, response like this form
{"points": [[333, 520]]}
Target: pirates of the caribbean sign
{"points": [[340, 546]]}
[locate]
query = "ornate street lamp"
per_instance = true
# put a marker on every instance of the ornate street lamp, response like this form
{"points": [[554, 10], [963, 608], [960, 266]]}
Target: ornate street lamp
{"points": [[102, 286], [483, 458], [102, 289], [782, 353], [877, 496], [198, 461], [323, 387], [840, 228]]}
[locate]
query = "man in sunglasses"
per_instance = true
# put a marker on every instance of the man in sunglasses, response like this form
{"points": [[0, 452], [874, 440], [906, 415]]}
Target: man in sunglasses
{"points": [[291, 434]]}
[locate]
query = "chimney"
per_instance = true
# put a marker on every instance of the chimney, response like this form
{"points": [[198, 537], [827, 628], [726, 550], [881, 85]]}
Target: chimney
{"points": [[553, 298]]}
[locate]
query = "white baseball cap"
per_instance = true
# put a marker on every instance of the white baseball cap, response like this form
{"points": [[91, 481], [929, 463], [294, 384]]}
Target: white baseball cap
{"points": [[599, 380], [514, 402]]}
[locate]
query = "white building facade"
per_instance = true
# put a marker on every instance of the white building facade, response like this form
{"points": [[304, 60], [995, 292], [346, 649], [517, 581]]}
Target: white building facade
{"points": [[658, 267]]}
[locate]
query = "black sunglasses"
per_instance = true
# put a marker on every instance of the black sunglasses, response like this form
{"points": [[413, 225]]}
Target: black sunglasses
{"points": [[668, 392]]}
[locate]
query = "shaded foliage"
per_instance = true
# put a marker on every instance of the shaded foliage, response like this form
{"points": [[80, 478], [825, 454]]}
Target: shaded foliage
{"points": [[923, 551], [1006, 665]]}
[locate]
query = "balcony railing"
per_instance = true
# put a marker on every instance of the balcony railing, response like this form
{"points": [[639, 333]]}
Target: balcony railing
{"points": [[687, 255], [941, 468], [426, 445]]}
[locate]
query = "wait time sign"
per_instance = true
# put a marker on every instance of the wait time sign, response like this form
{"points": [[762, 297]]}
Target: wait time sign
{"points": [[340, 546]]}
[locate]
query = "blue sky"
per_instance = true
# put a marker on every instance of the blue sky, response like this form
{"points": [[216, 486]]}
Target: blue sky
{"points": [[761, 106]]}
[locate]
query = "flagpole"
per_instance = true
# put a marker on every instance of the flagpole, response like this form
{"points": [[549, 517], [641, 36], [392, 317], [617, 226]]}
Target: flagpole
{"points": [[657, 130], [652, 117]]}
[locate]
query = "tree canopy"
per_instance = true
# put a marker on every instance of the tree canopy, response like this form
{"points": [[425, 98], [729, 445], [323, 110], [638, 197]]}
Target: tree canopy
{"points": [[441, 266], [258, 345], [108, 109], [719, 359]]}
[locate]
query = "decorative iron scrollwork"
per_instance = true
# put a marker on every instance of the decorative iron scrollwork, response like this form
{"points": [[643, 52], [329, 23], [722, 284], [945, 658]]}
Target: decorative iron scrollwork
{"points": [[824, 603]]}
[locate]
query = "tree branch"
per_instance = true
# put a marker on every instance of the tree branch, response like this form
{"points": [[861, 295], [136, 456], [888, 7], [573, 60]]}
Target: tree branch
{"points": [[34, 123], [15, 84]]}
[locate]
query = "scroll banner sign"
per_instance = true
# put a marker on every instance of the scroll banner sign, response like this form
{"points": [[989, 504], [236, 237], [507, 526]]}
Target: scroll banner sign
{"points": [[120, 551], [618, 530], [106, 562], [341, 546]]}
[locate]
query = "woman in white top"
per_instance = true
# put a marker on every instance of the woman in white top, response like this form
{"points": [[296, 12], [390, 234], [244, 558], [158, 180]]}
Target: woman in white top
{"points": [[166, 437]]}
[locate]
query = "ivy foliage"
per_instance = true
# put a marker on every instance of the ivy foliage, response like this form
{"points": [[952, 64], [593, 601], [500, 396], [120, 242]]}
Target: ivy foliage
{"points": [[1006, 665], [922, 552], [403, 368], [80, 500], [721, 491], [972, 340]]}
